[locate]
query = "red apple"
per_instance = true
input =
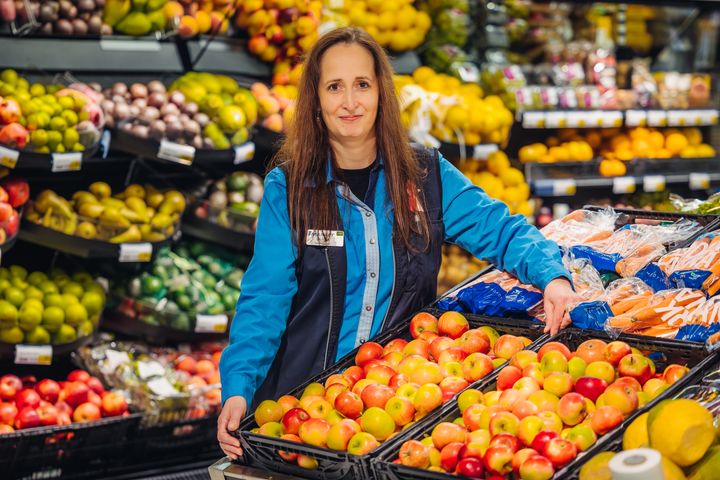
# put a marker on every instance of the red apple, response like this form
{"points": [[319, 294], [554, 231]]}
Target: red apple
{"points": [[572, 408], [506, 440], [615, 351], [507, 345], [477, 366], [333, 391], [78, 376], [550, 346], [672, 374], [353, 374], [415, 454], [542, 438], [446, 432], [48, 390], [27, 398], [8, 412], [508, 398], [450, 455], [113, 404], [470, 467], [95, 385], [508, 376], [474, 341], [452, 354], [396, 345], [376, 395], [475, 449], [635, 366], [451, 386], [629, 382], [537, 467], [75, 393], [592, 350], [498, 460], [423, 322], [452, 324], [368, 351], [340, 434], [362, 443], [524, 408], [472, 416], [48, 415], [559, 451], [439, 345], [9, 386], [27, 417], [590, 387], [401, 410], [349, 404], [398, 380], [86, 412], [314, 432], [428, 336], [292, 420], [622, 397], [605, 418], [417, 347], [520, 457], [94, 398]]}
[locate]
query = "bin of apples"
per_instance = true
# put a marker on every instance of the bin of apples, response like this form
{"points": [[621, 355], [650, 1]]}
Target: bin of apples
{"points": [[27, 403], [388, 388], [546, 407]]}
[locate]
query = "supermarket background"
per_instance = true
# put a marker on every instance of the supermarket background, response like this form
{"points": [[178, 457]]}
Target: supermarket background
{"points": [[134, 135]]}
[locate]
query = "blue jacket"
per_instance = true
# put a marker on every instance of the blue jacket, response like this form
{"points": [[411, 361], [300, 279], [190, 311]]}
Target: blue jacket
{"points": [[294, 319]]}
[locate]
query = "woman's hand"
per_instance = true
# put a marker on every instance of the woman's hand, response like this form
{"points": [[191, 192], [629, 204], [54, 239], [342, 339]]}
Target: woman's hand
{"points": [[559, 297], [229, 420]]}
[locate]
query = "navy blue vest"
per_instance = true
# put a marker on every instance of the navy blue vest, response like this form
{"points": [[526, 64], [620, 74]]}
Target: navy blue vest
{"points": [[309, 344]]}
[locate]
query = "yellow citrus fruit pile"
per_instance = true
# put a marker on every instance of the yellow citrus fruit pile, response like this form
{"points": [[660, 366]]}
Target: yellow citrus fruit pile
{"points": [[573, 151], [462, 109], [500, 180]]}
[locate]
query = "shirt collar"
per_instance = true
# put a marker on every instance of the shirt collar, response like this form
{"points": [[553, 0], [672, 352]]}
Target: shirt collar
{"points": [[329, 177]]}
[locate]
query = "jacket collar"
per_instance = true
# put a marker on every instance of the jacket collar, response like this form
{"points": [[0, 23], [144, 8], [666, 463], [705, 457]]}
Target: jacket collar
{"points": [[329, 176]]}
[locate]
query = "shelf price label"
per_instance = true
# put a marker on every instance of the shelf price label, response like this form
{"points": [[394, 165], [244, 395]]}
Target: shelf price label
{"points": [[66, 162], [564, 188], [623, 185], [657, 118], [8, 157], [578, 119], [135, 252], [483, 151], [533, 120], [699, 181], [635, 118], [174, 152], [211, 323], [612, 118], [33, 354], [654, 183], [555, 119], [243, 153]]}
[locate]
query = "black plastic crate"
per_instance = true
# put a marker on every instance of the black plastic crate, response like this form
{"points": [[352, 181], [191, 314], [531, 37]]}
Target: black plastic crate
{"points": [[66, 448], [671, 351], [613, 441], [260, 451], [177, 438]]}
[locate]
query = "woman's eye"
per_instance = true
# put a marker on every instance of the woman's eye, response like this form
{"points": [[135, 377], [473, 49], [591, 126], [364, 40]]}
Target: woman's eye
{"points": [[364, 85], [333, 87]]}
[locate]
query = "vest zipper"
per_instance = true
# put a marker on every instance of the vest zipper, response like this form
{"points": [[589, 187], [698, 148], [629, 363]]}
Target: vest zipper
{"points": [[332, 303], [392, 292]]}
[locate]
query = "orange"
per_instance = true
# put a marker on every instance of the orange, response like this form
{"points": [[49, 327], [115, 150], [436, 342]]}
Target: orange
{"points": [[676, 142], [639, 132], [552, 142], [612, 168], [656, 140], [694, 136], [593, 139], [641, 147], [619, 141]]}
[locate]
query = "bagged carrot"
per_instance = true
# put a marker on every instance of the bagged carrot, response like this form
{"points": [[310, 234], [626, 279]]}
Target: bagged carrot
{"points": [[620, 297], [704, 323], [580, 227]]}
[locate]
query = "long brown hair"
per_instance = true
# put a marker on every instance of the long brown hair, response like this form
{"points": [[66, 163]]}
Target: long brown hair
{"points": [[304, 153]]}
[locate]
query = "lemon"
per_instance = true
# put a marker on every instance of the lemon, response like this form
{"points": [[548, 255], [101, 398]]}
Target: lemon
{"points": [[14, 295], [75, 314], [497, 162], [456, 118], [670, 470], [38, 336], [682, 430], [636, 435], [73, 288], [422, 74], [54, 300], [423, 21], [93, 302], [597, 468], [512, 177]]}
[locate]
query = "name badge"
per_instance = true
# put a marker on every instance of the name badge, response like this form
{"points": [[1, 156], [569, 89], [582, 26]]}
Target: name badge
{"points": [[325, 238]]}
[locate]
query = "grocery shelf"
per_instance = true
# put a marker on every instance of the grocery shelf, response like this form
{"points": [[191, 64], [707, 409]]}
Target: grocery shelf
{"points": [[91, 53], [693, 117], [158, 334], [40, 354], [91, 249], [51, 162], [196, 227], [454, 151], [224, 55], [566, 179]]}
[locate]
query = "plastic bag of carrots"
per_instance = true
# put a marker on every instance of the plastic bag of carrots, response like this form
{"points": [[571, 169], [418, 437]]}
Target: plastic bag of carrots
{"points": [[696, 266], [619, 297], [705, 322], [632, 247], [580, 227], [659, 315]]}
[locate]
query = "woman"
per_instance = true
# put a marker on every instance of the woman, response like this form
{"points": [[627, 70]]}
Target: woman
{"points": [[349, 237]]}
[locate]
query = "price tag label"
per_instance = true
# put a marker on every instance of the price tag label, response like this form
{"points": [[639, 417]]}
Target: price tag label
{"points": [[135, 252], [713, 116], [564, 188], [635, 118], [66, 162], [483, 151], [654, 183], [174, 152], [681, 118], [211, 323], [623, 185], [533, 120], [243, 153], [110, 45], [555, 119], [657, 118], [104, 283], [577, 119], [8, 157], [610, 119], [699, 181], [33, 354], [707, 117]]}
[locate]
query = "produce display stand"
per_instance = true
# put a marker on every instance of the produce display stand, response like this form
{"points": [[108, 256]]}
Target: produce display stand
{"points": [[202, 229], [668, 351], [261, 451], [119, 322], [12, 353]]}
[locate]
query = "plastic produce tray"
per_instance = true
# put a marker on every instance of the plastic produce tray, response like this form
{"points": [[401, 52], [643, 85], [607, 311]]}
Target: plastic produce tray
{"points": [[159, 334], [194, 226], [260, 451], [188, 437], [68, 447], [671, 351], [62, 350]]}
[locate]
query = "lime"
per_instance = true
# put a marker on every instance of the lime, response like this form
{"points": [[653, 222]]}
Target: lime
{"points": [[9, 76], [34, 292], [70, 117], [66, 102], [14, 295], [53, 318], [75, 314], [73, 288], [12, 335], [4, 283], [39, 138], [82, 277], [36, 278], [95, 288], [23, 84], [70, 138], [8, 314], [33, 303], [29, 318], [38, 336], [19, 283], [54, 139], [69, 299], [54, 300], [93, 302], [86, 328], [37, 89], [61, 280], [65, 334], [58, 124], [59, 148], [18, 271], [48, 286]]}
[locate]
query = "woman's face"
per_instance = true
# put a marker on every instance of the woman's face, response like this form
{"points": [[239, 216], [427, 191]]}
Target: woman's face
{"points": [[348, 92]]}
